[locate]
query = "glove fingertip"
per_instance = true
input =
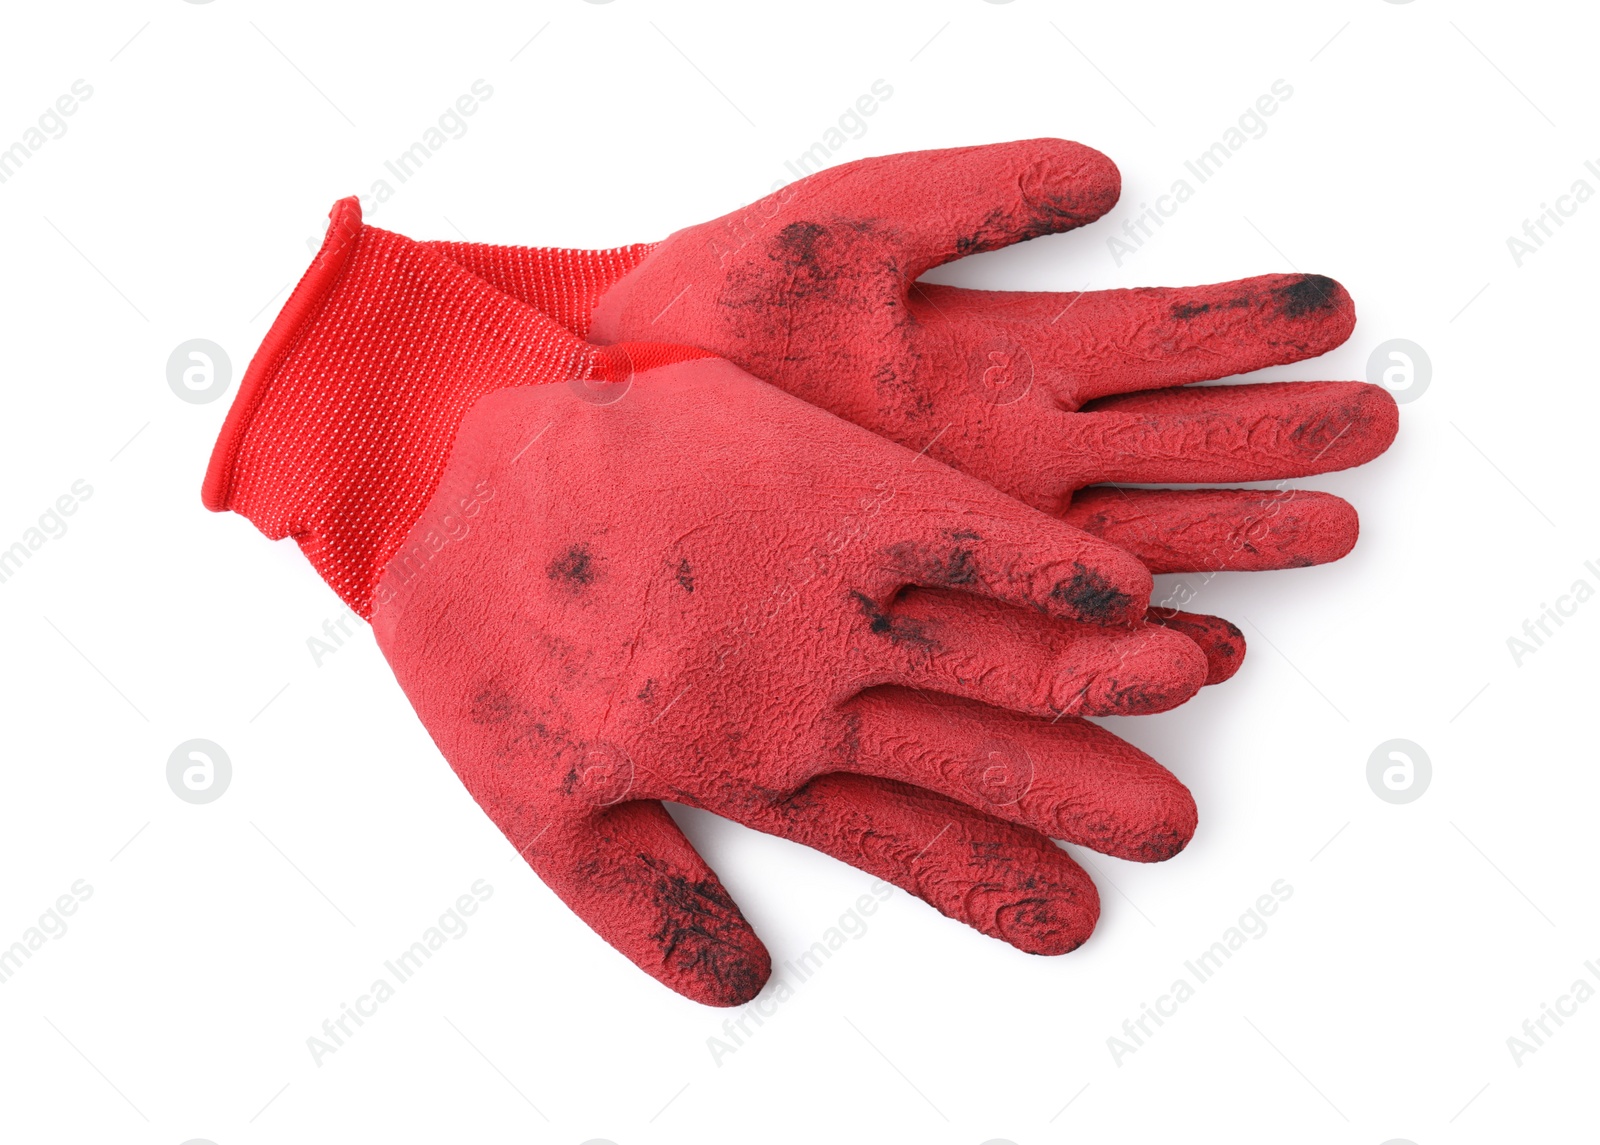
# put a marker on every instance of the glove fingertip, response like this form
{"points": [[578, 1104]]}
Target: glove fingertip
{"points": [[1068, 184], [1219, 641], [1379, 420], [727, 977], [1114, 589], [1154, 672]]}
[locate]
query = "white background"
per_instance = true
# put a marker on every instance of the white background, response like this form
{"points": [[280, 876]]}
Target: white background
{"points": [[178, 204]]}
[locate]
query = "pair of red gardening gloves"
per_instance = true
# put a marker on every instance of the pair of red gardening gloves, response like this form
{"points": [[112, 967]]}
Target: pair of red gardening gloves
{"points": [[752, 520]]}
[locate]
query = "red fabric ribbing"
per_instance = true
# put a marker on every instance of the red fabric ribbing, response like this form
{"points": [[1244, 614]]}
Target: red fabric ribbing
{"points": [[566, 284], [345, 418]]}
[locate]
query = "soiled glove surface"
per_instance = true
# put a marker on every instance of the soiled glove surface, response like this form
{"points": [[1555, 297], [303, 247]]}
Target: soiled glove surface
{"points": [[1049, 397], [707, 592]]}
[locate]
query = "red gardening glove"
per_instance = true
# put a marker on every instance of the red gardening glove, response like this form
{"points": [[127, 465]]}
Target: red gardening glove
{"points": [[709, 592], [1046, 396]]}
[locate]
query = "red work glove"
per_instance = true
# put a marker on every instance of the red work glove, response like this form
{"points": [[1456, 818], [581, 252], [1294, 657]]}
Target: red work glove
{"points": [[708, 592], [1045, 396]]}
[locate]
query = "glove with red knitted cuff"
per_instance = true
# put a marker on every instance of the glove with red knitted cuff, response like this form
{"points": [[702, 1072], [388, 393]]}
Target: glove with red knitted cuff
{"points": [[1054, 398], [701, 590]]}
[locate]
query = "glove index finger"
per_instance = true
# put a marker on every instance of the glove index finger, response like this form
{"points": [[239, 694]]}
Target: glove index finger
{"points": [[1155, 337], [1003, 549]]}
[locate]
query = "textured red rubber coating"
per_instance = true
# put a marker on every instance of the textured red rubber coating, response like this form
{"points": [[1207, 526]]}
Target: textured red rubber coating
{"points": [[672, 581], [815, 289]]}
